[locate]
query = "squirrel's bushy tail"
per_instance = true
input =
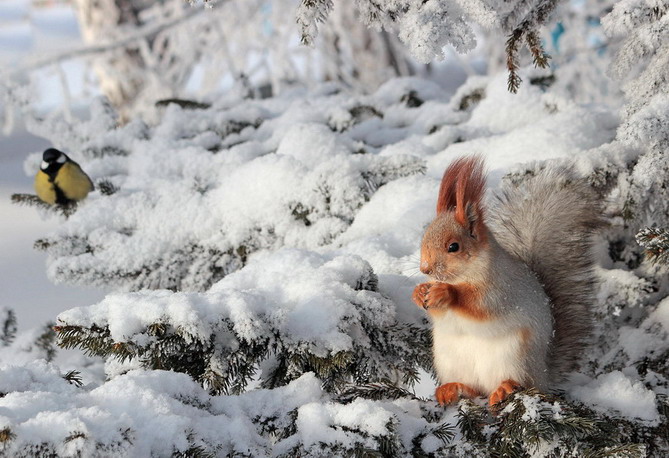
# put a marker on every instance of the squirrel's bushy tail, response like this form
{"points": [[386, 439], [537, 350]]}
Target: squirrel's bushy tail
{"points": [[548, 222]]}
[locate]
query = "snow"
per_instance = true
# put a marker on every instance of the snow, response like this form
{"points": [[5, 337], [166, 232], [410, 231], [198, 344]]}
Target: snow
{"points": [[643, 340], [304, 298], [142, 413], [616, 392], [314, 421]]}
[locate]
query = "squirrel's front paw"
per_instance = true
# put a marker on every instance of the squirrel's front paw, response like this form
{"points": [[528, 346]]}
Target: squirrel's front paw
{"points": [[439, 295], [419, 295]]}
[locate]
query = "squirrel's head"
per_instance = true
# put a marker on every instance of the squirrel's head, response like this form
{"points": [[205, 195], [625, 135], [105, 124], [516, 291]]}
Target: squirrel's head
{"points": [[455, 243]]}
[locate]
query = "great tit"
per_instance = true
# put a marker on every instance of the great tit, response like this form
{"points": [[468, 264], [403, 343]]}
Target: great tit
{"points": [[60, 180]]}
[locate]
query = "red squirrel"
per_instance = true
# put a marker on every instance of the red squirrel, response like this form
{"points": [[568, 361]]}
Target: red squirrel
{"points": [[510, 293]]}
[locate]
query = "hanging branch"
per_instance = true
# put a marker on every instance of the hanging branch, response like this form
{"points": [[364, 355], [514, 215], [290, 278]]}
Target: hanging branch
{"points": [[512, 45], [539, 56], [309, 14]]}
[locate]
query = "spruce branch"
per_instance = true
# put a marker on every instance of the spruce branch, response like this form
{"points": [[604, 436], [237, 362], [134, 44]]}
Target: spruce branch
{"points": [[655, 240], [96, 152], [617, 451], [93, 341], [74, 435], [384, 389], [195, 450], [106, 187], [309, 14], [472, 419], [74, 377], [183, 103], [31, 200], [530, 421], [9, 327], [444, 432], [539, 55], [512, 46], [42, 244], [47, 341], [227, 369], [6, 435]]}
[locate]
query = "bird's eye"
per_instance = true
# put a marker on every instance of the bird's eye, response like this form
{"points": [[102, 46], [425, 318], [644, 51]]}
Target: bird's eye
{"points": [[453, 247]]}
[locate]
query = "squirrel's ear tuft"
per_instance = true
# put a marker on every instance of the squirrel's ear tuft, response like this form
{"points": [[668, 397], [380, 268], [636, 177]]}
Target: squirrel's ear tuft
{"points": [[474, 222], [462, 189]]}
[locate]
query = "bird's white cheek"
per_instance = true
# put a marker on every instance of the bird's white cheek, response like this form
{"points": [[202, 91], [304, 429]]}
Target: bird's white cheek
{"points": [[44, 165]]}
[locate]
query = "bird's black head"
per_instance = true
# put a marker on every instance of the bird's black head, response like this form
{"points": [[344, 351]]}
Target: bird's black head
{"points": [[52, 160], [52, 155]]}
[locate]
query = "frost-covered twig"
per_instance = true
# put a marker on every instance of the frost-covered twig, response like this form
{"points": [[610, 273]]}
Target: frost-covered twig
{"points": [[117, 43]]}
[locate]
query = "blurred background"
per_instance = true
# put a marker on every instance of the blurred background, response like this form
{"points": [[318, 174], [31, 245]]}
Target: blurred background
{"points": [[30, 30]]}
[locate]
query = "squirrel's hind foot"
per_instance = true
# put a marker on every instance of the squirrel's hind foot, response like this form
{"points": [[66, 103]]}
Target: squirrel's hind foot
{"points": [[505, 389], [449, 393]]}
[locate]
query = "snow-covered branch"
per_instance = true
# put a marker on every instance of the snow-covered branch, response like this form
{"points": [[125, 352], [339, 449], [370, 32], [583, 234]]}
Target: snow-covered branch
{"points": [[128, 39]]}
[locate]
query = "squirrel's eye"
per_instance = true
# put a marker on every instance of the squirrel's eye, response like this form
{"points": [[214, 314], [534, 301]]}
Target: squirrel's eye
{"points": [[453, 247]]}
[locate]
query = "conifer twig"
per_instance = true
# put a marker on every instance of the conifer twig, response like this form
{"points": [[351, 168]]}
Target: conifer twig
{"points": [[656, 242], [512, 45]]}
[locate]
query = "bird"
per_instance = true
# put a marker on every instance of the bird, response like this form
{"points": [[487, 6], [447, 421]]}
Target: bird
{"points": [[60, 180]]}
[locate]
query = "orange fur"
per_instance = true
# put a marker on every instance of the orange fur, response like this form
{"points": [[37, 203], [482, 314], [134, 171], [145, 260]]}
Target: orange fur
{"points": [[448, 393], [467, 302], [463, 184], [419, 295], [463, 298], [440, 296], [505, 389]]}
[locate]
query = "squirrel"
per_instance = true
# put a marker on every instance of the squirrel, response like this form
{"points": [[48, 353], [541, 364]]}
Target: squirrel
{"points": [[509, 294]]}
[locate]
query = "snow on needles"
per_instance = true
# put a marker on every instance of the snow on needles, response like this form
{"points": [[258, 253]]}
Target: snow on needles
{"points": [[304, 296]]}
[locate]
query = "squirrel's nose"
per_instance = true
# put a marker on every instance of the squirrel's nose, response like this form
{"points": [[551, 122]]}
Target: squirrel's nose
{"points": [[425, 268]]}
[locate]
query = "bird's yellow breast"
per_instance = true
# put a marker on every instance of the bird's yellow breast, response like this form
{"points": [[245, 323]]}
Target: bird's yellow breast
{"points": [[70, 179], [44, 188], [74, 183]]}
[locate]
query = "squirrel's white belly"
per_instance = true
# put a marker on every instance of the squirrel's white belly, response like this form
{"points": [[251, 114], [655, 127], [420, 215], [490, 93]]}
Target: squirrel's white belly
{"points": [[480, 355]]}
